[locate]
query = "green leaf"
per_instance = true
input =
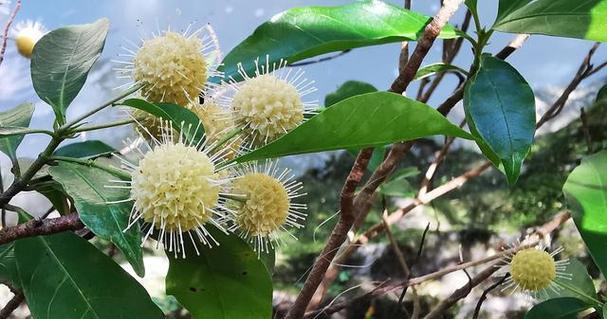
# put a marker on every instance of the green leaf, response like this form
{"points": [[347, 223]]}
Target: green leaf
{"points": [[86, 149], [88, 187], [55, 193], [582, 19], [558, 308], [62, 60], [579, 286], [602, 94], [182, 119], [586, 194], [14, 123], [434, 68], [500, 111], [365, 120], [348, 89], [223, 282], [301, 33], [8, 264], [63, 276], [398, 185]]}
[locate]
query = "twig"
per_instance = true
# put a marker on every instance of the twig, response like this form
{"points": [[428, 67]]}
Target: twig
{"points": [[7, 27], [37, 227], [483, 297], [12, 305], [403, 265], [336, 239]]}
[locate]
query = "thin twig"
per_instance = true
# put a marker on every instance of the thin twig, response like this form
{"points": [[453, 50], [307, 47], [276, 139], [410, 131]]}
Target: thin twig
{"points": [[7, 28], [483, 297], [327, 58]]}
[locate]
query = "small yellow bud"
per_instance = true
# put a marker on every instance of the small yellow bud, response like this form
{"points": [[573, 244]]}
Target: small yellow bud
{"points": [[26, 35], [266, 207]]}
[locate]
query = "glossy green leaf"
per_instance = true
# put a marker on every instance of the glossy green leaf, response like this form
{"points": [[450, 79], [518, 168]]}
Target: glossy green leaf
{"points": [[579, 286], [435, 68], [14, 120], [586, 194], [182, 119], [88, 187], [348, 89], [500, 111], [62, 60], [300, 33], [86, 149], [63, 276], [55, 193], [223, 282], [365, 120], [558, 308], [582, 19]]}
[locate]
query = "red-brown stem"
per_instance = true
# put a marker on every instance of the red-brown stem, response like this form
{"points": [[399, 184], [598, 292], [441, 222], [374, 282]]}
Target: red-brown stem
{"points": [[37, 227], [7, 27]]}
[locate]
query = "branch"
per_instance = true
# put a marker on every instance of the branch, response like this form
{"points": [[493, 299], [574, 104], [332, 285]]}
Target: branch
{"points": [[12, 305], [37, 227], [327, 58], [338, 236], [7, 27]]}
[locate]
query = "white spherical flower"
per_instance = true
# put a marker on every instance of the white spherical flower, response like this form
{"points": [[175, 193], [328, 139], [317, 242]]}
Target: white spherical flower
{"points": [[177, 189], [263, 204], [219, 125], [26, 35], [173, 67], [270, 104]]}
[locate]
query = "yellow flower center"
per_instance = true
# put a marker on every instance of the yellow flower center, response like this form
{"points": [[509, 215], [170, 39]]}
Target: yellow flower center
{"points": [[173, 187], [533, 269], [266, 207], [268, 106], [25, 44], [171, 68]]}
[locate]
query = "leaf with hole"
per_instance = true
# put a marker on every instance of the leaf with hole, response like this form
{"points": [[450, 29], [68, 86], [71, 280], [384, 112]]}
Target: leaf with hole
{"points": [[586, 194], [582, 19], [222, 282], [500, 111], [64, 276], [366, 120], [62, 60], [92, 191], [301, 33]]}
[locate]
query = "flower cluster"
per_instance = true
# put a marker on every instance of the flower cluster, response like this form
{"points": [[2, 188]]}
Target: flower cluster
{"points": [[181, 186]]}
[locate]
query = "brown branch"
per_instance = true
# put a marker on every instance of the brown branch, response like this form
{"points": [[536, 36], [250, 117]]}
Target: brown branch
{"points": [[431, 31], [7, 27], [37, 227], [336, 239], [12, 305]]}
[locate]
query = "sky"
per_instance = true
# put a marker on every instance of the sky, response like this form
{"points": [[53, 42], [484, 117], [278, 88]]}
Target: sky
{"points": [[546, 62]]}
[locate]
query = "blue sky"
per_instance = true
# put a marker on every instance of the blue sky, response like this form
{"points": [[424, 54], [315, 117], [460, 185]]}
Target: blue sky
{"points": [[546, 62]]}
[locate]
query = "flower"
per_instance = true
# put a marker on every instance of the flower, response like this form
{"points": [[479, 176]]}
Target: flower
{"points": [[177, 189], [173, 67], [270, 104], [26, 35], [263, 205], [533, 270]]}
